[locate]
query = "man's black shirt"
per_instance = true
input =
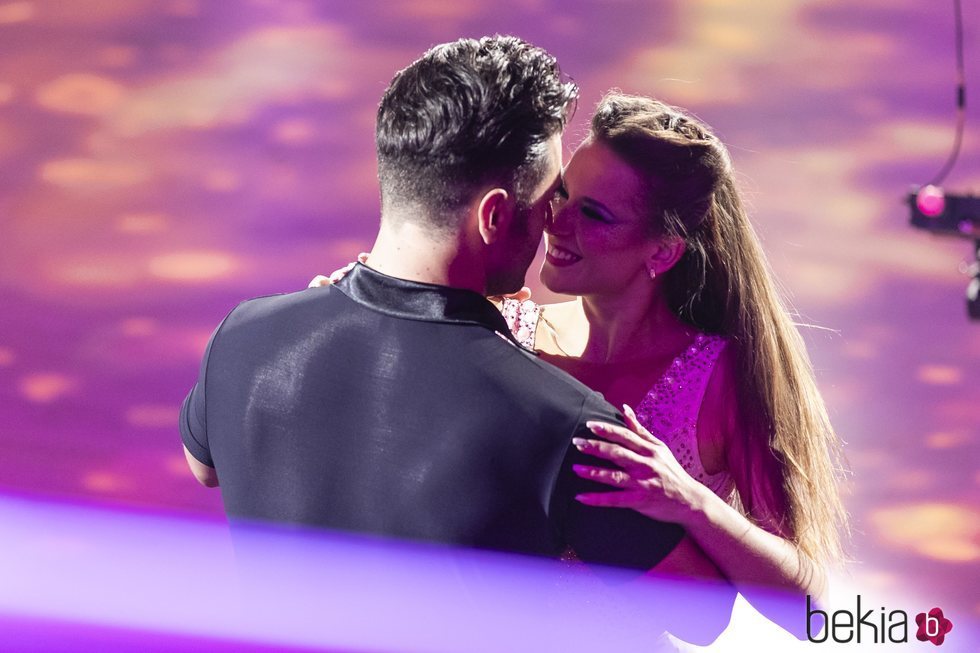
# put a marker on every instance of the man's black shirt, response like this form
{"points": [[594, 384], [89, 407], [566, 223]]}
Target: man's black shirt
{"points": [[404, 409]]}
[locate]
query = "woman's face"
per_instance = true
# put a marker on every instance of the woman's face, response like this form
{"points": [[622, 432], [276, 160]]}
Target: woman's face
{"points": [[598, 241]]}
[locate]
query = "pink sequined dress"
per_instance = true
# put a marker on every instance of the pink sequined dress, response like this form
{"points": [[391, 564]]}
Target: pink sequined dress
{"points": [[670, 409]]}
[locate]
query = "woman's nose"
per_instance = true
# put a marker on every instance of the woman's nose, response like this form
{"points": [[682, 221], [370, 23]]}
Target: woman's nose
{"points": [[558, 219]]}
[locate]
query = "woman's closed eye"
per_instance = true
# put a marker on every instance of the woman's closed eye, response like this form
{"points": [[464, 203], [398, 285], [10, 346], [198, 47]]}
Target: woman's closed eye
{"points": [[593, 214]]}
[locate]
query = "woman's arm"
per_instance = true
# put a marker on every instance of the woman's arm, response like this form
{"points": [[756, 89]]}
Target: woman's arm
{"points": [[751, 557], [653, 483]]}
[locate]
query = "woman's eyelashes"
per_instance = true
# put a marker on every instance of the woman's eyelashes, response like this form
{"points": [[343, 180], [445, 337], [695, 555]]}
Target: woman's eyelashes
{"points": [[561, 195], [593, 214]]}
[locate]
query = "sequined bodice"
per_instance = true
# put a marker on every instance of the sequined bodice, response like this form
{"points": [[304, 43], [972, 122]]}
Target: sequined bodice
{"points": [[670, 409]]}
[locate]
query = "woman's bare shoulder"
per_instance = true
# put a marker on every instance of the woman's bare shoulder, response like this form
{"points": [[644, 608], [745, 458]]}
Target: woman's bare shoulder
{"points": [[557, 321], [558, 309]]}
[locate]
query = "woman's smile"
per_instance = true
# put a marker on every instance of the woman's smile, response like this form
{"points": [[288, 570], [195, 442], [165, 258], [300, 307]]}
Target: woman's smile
{"points": [[559, 256]]}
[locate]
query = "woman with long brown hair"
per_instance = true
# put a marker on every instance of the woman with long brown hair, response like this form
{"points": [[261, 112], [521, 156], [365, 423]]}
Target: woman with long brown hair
{"points": [[677, 314]]}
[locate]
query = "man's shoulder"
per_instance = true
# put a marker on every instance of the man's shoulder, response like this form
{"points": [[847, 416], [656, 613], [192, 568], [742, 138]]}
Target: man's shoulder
{"points": [[276, 305], [524, 372], [512, 369], [259, 319]]}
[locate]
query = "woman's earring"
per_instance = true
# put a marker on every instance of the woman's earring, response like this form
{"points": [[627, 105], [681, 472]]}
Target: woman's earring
{"points": [[653, 274]]}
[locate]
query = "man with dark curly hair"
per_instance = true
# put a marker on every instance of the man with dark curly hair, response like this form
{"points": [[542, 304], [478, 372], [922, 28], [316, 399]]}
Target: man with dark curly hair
{"points": [[397, 402]]}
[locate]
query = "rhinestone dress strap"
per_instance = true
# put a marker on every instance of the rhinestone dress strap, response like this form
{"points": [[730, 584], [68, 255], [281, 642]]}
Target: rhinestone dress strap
{"points": [[670, 409], [522, 319]]}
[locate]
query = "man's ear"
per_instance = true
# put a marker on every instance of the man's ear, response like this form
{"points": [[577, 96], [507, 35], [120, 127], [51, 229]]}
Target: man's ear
{"points": [[665, 254], [495, 214]]}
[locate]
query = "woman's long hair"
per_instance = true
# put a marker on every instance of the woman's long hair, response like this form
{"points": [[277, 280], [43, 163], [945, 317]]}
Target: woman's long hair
{"points": [[785, 449]]}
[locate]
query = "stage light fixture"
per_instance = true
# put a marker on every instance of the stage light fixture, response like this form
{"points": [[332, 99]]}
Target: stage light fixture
{"points": [[940, 212], [949, 214], [973, 290], [953, 215]]}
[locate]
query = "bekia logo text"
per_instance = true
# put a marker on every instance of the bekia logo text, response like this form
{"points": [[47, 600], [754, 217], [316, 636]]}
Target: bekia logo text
{"points": [[871, 626]]}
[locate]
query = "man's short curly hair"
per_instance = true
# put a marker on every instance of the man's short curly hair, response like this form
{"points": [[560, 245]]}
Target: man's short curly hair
{"points": [[468, 114]]}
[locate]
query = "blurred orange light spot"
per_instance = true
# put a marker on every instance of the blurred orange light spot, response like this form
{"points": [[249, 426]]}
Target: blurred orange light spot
{"points": [[939, 374], [81, 93], [876, 578], [153, 416], [867, 459], [117, 56], [94, 274], [197, 341], [45, 387], [827, 281], [222, 181], [138, 327], [434, 10], [102, 482], [16, 12], [185, 8], [91, 174], [142, 223], [944, 440], [293, 132], [950, 550], [192, 266], [176, 464], [860, 349], [734, 39], [910, 480], [943, 531]]}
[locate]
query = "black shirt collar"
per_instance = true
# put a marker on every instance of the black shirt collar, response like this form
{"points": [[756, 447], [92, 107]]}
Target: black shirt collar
{"points": [[420, 301]]}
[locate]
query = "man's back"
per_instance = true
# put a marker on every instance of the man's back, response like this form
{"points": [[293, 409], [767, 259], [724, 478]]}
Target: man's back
{"points": [[396, 408]]}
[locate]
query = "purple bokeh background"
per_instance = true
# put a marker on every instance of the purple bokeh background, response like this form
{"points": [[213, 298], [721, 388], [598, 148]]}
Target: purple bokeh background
{"points": [[160, 161]]}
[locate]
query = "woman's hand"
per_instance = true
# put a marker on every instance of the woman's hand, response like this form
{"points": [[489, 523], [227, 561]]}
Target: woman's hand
{"points": [[521, 295], [498, 300], [337, 275], [651, 480]]}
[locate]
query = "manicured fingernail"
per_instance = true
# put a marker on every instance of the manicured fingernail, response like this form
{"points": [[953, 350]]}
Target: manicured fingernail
{"points": [[580, 469], [582, 498], [579, 442], [596, 426], [628, 410]]}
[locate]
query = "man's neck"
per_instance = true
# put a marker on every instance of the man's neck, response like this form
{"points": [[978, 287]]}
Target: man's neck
{"points": [[407, 251]]}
